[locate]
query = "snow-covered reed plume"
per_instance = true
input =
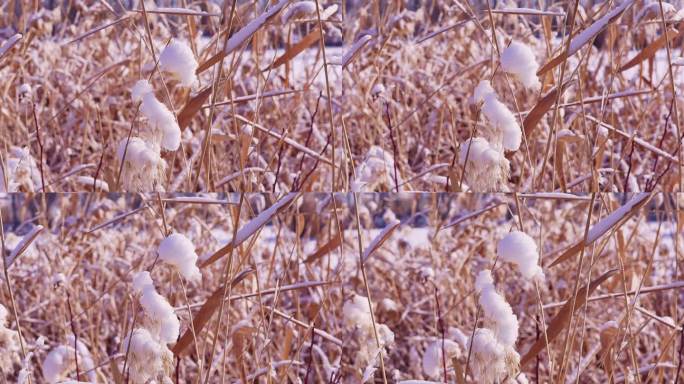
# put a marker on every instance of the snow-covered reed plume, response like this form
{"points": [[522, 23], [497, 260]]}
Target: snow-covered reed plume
{"points": [[143, 168], [505, 127], [494, 346], [161, 119], [357, 314], [177, 58], [149, 360], [519, 248], [488, 356], [487, 168], [518, 59], [21, 171], [496, 309], [179, 251], [160, 318], [298, 10]]}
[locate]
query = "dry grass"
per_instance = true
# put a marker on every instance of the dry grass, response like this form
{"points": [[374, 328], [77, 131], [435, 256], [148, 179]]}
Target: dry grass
{"points": [[292, 276], [369, 96], [315, 124], [430, 56], [81, 62]]}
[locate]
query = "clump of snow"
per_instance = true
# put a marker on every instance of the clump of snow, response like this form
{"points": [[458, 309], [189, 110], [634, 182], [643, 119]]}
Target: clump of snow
{"points": [[161, 320], [501, 117], [518, 58], [298, 10], [161, 118], [505, 127], [496, 309], [483, 88], [519, 248], [177, 58], [377, 90], [24, 89], [494, 346], [480, 152], [357, 311], [85, 358], [138, 153], [179, 251], [140, 89]]}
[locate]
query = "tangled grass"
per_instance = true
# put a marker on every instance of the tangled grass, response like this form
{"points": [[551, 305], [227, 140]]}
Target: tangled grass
{"points": [[295, 271]]}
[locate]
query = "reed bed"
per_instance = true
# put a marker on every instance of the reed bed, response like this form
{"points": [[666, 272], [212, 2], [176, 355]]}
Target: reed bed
{"points": [[300, 264]]}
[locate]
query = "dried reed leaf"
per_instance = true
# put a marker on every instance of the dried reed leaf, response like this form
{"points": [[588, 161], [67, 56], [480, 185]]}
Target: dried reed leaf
{"points": [[651, 49], [251, 227], [325, 249], [614, 220], [586, 36], [205, 313], [543, 105], [243, 35], [24, 243], [296, 49], [379, 239], [192, 107], [562, 319], [11, 42]]}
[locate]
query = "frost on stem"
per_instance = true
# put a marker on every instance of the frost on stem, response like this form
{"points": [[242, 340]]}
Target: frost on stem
{"points": [[161, 119], [177, 58], [298, 10], [9, 344], [21, 171], [505, 129], [487, 168], [178, 251], [518, 59], [148, 359], [144, 168], [494, 347], [519, 248], [160, 319], [357, 314]]}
